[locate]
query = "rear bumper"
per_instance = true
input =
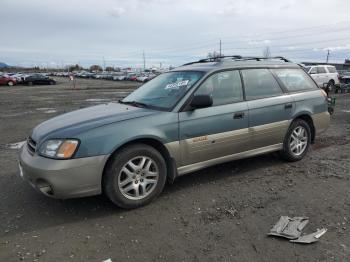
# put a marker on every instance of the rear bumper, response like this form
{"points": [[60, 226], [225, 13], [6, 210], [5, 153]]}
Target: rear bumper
{"points": [[62, 178]]}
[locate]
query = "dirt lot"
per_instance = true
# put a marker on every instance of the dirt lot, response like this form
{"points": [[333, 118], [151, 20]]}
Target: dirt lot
{"points": [[218, 214]]}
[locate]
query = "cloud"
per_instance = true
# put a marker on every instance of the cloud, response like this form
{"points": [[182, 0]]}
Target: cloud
{"points": [[337, 48], [87, 30], [117, 12], [259, 42]]}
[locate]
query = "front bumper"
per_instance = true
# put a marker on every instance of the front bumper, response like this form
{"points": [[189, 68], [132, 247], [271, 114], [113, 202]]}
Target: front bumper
{"points": [[62, 178]]}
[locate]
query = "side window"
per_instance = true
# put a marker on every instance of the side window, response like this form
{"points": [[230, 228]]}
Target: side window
{"points": [[313, 70], [224, 87], [321, 70], [295, 79], [331, 69], [260, 83]]}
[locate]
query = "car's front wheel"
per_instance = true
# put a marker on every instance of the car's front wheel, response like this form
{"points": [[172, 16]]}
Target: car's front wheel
{"points": [[10, 83], [135, 176], [297, 141]]}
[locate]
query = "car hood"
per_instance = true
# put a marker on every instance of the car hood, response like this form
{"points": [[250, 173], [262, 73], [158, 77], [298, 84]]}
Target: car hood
{"points": [[70, 124]]}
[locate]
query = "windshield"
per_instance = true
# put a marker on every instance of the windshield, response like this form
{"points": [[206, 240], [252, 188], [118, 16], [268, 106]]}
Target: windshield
{"points": [[164, 91]]}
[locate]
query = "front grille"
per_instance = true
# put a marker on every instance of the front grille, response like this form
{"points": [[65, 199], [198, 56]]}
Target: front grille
{"points": [[31, 145]]}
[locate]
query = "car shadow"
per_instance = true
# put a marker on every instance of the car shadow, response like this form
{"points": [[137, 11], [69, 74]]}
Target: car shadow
{"points": [[31, 211]]}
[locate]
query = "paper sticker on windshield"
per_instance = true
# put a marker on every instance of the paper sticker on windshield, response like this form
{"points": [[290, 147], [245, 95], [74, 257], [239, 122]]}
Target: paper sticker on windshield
{"points": [[177, 85]]}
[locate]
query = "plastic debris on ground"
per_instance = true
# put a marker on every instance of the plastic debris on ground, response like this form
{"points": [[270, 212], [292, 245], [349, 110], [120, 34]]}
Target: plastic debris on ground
{"points": [[310, 238], [291, 228]]}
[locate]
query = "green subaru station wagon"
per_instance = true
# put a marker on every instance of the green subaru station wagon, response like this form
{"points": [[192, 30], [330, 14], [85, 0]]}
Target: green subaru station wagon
{"points": [[200, 114]]}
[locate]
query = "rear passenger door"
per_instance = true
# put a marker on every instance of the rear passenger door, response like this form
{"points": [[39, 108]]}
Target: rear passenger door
{"points": [[269, 108], [219, 130]]}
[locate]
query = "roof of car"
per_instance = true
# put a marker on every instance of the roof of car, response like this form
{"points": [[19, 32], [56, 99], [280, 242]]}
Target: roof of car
{"points": [[241, 62]]}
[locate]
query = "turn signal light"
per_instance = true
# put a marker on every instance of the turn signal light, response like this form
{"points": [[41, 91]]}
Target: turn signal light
{"points": [[67, 149]]}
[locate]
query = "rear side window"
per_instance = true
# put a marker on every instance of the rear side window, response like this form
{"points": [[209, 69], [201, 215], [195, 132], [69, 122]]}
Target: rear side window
{"points": [[321, 70], [331, 69], [260, 83], [295, 79]]}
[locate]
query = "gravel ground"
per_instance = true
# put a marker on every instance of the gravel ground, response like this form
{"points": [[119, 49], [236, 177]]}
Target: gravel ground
{"points": [[221, 213]]}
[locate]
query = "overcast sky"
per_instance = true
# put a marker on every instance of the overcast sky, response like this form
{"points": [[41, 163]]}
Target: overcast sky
{"points": [[60, 32]]}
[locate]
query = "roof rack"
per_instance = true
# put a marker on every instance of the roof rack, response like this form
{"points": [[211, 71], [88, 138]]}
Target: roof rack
{"points": [[236, 58]]}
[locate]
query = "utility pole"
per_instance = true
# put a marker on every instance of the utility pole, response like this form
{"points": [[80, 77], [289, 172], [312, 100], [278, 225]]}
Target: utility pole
{"points": [[327, 56], [104, 63], [144, 60], [220, 47]]}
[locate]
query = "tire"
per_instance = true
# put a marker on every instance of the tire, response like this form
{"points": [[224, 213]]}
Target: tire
{"points": [[292, 152], [126, 173], [30, 83], [10, 83], [52, 83]]}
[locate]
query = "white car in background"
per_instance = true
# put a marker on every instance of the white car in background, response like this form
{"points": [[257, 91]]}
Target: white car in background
{"points": [[324, 75], [119, 78]]}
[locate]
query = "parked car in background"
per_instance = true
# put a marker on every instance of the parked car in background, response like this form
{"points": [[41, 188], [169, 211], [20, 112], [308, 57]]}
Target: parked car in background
{"points": [[85, 74], [7, 80], [119, 78], [326, 76], [18, 77], [142, 78], [38, 79], [107, 76], [344, 77], [131, 77], [195, 116]]}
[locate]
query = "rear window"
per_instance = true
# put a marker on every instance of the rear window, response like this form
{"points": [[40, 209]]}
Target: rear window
{"points": [[331, 69], [295, 79]]}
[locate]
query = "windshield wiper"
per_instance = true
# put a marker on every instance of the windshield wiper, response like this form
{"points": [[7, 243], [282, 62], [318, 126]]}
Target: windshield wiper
{"points": [[133, 103]]}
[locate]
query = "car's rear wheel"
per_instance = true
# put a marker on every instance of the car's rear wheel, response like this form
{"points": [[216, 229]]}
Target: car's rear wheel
{"points": [[135, 176], [10, 83], [52, 82], [30, 83], [297, 141]]}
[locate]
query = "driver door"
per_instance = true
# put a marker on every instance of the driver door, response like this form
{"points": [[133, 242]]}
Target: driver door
{"points": [[219, 130]]}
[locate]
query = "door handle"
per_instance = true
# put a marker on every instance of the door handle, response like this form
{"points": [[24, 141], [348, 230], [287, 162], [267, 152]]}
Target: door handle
{"points": [[238, 115], [288, 106]]}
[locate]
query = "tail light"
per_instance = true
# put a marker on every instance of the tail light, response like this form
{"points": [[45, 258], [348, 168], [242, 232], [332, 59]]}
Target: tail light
{"points": [[324, 93]]}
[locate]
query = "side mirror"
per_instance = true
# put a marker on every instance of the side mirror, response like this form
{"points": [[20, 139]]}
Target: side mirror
{"points": [[201, 101]]}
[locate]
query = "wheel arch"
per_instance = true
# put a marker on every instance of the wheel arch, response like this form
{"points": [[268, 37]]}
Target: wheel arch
{"points": [[156, 144]]}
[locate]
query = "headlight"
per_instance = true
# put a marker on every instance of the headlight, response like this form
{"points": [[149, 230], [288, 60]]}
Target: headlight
{"points": [[57, 148]]}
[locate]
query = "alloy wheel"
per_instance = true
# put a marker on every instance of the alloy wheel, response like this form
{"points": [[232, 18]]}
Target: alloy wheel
{"points": [[138, 178], [298, 140]]}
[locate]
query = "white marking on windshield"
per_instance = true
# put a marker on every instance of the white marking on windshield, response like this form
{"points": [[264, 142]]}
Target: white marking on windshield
{"points": [[177, 85]]}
